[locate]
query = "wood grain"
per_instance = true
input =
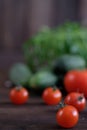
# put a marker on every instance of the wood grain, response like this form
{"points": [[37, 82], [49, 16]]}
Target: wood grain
{"points": [[34, 115], [19, 19], [22, 18]]}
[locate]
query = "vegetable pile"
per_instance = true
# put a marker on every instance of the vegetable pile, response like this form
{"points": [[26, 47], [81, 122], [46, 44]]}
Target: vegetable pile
{"points": [[69, 107], [56, 61], [49, 55], [42, 49]]}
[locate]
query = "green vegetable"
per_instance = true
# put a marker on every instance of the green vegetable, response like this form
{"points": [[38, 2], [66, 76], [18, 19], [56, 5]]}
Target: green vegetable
{"points": [[19, 74], [43, 48], [42, 79], [40, 50], [68, 62]]}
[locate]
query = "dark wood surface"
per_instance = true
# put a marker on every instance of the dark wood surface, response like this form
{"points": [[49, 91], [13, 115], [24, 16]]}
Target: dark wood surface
{"points": [[34, 115], [18, 22]]}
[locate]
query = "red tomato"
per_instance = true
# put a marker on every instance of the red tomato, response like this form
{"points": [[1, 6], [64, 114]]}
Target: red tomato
{"points": [[85, 70], [52, 96], [77, 100], [76, 81], [69, 81], [19, 95], [67, 116]]}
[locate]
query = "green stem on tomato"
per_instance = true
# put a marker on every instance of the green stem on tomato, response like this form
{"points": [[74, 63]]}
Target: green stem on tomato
{"points": [[54, 88], [81, 97], [60, 105], [18, 88]]}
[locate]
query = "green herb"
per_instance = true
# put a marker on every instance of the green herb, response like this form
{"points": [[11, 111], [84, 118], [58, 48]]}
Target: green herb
{"points": [[43, 48]]}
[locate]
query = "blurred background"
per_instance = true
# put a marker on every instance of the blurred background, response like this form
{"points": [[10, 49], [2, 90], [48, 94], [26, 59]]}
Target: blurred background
{"points": [[20, 19]]}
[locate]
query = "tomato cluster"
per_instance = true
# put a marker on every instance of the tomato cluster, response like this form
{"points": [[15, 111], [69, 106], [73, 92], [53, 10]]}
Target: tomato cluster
{"points": [[75, 83], [68, 114]]}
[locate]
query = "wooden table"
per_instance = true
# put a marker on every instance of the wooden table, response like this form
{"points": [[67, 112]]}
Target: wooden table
{"points": [[34, 115]]}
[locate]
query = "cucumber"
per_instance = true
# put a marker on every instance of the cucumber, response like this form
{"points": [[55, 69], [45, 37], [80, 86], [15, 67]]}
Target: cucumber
{"points": [[19, 74], [68, 62], [42, 79]]}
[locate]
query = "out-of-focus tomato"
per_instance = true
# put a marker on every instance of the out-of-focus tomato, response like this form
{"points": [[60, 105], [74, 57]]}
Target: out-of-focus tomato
{"points": [[70, 81], [76, 81]]}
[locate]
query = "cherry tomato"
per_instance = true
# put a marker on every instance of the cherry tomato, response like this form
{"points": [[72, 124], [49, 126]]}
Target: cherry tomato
{"points": [[52, 96], [67, 116], [19, 95], [70, 80], [77, 100], [76, 81], [85, 71]]}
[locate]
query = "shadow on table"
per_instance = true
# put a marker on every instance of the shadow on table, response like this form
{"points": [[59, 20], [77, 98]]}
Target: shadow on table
{"points": [[29, 104]]}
